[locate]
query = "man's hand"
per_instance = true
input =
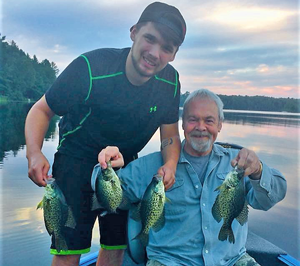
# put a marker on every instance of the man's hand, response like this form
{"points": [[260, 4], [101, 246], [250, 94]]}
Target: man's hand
{"points": [[36, 126], [167, 171], [248, 160], [111, 153], [38, 167]]}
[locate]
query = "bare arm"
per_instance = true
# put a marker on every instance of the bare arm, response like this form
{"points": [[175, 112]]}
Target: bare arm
{"points": [[170, 149], [36, 126]]}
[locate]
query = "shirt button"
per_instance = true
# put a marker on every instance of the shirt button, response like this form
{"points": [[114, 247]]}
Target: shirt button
{"points": [[196, 186], [203, 204], [206, 251], [205, 227]]}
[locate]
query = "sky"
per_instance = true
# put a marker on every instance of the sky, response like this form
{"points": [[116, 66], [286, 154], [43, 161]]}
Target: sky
{"points": [[232, 47]]}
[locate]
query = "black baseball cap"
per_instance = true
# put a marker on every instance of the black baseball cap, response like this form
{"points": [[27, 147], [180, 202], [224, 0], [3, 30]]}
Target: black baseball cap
{"points": [[167, 15]]}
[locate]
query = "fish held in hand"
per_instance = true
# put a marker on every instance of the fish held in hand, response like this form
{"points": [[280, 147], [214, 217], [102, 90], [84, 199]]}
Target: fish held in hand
{"points": [[150, 210], [107, 187], [57, 214], [231, 204]]}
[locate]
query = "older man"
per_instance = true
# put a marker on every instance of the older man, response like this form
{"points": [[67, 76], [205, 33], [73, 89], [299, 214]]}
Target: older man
{"points": [[190, 234]]}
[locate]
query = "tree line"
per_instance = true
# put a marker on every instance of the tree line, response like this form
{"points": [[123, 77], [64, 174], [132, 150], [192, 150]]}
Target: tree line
{"points": [[256, 103], [23, 78]]}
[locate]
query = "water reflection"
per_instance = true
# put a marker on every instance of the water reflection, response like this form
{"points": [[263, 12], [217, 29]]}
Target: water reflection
{"points": [[262, 118], [12, 120], [273, 137]]}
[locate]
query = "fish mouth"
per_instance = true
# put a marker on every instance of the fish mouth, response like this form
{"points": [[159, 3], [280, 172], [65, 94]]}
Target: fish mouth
{"points": [[50, 180], [240, 171], [158, 177]]}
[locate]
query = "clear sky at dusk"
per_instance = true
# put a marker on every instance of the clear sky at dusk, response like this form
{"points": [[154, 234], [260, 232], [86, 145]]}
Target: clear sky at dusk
{"points": [[241, 47]]}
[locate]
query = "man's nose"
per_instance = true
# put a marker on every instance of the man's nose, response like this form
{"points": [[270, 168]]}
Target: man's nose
{"points": [[200, 126], [154, 51]]}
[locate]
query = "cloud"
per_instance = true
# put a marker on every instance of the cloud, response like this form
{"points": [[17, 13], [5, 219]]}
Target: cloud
{"points": [[250, 18], [237, 46]]}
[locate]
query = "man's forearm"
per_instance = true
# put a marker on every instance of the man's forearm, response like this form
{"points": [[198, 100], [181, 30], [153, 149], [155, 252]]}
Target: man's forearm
{"points": [[36, 126], [170, 149]]}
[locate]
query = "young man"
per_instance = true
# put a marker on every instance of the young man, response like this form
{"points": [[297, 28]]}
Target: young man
{"points": [[109, 97], [190, 234]]}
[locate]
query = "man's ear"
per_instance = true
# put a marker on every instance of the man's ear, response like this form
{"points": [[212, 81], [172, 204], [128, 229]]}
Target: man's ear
{"points": [[220, 126], [173, 57], [133, 33]]}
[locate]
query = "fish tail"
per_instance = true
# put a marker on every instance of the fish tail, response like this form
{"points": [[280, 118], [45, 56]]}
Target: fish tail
{"points": [[143, 237], [226, 233], [60, 244]]}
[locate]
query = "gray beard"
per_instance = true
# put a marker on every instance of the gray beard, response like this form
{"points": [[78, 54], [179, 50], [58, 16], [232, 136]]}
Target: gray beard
{"points": [[201, 146]]}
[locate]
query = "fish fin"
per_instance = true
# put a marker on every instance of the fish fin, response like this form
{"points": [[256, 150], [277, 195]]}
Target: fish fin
{"points": [[226, 233], [143, 237], [160, 222], [218, 188], [60, 194], [135, 214], [95, 203], [71, 223], [167, 200], [125, 203], [243, 216], [40, 205], [215, 210]]}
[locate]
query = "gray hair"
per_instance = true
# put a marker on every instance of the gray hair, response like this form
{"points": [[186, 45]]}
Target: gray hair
{"points": [[204, 93]]}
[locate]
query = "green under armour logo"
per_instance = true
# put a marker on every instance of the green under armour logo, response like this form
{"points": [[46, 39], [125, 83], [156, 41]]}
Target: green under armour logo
{"points": [[153, 109]]}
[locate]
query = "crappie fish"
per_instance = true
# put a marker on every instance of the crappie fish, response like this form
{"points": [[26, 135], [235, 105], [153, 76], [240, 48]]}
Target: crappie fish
{"points": [[107, 187], [57, 213], [231, 204], [150, 210]]}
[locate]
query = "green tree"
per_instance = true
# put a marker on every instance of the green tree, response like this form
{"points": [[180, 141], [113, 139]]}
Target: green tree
{"points": [[22, 77]]}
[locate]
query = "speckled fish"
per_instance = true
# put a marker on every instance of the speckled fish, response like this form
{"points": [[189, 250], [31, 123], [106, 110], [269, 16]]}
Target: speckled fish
{"points": [[57, 213], [150, 211], [231, 204], [108, 191]]}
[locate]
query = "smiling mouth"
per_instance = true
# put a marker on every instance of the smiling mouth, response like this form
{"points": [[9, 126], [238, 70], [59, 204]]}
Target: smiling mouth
{"points": [[151, 63], [200, 136]]}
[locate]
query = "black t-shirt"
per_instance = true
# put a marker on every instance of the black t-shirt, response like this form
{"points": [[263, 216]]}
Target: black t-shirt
{"points": [[100, 107]]}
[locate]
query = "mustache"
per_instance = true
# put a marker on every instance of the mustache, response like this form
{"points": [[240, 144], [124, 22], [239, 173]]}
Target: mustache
{"points": [[200, 134]]}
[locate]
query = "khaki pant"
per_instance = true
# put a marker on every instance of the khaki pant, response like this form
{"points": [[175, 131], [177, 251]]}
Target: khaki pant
{"points": [[246, 260]]}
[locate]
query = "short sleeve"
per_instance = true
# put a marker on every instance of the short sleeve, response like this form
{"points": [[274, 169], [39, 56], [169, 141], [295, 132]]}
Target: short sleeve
{"points": [[172, 116], [70, 88]]}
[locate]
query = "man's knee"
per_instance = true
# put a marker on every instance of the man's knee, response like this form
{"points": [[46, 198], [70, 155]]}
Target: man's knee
{"points": [[65, 260]]}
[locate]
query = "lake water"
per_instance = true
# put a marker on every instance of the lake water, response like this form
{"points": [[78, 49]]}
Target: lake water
{"points": [[25, 241]]}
